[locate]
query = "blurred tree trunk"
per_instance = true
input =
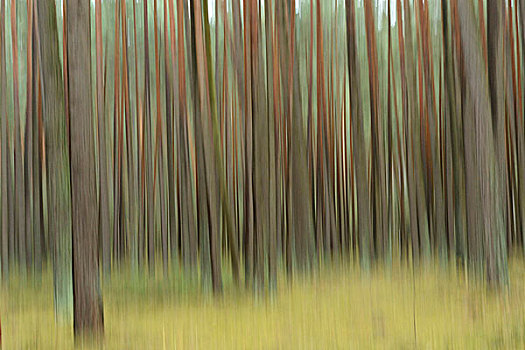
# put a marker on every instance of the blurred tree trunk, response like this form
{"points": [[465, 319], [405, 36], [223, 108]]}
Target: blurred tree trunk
{"points": [[4, 148], [159, 149], [451, 148], [171, 92], [208, 110], [148, 150], [117, 149], [249, 211], [38, 208], [435, 197], [190, 236], [377, 150], [20, 219], [58, 175], [140, 106], [407, 137], [272, 138], [496, 44], [483, 188], [300, 221], [520, 138], [261, 144], [203, 215], [131, 173], [103, 215], [28, 141], [86, 288], [358, 140], [420, 239], [522, 167]]}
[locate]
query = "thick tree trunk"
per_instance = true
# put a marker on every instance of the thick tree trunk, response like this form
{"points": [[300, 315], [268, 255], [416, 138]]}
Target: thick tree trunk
{"points": [[206, 88], [58, 175], [483, 211], [86, 286], [436, 197], [420, 239]]}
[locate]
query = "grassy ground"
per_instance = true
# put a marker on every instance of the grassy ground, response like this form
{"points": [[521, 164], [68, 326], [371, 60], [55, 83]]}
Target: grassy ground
{"points": [[339, 308]]}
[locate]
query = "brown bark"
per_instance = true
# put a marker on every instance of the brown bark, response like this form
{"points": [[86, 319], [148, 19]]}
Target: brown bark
{"points": [[206, 88], [189, 229], [4, 149], [103, 216], [420, 239], [57, 156], [482, 185], [20, 216], [358, 140], [261, 143], [170, 72], [272, 137], [86, 289]]}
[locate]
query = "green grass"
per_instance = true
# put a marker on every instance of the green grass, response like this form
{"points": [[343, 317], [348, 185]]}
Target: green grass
{"points": [[337, 308]]}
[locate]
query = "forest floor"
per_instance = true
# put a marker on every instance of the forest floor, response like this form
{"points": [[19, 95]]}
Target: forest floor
{"points": [[433, 307]]}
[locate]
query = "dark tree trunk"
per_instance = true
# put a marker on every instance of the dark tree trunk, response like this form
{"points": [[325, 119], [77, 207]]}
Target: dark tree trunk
{"points": [[483, 212], [261, 157], [58, 175], [28, 141], [103, 216], [358, 140], [20, 195], [4, 149], [87, 296]]}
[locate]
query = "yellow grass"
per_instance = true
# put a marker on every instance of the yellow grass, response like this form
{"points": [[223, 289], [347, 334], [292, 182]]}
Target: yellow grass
{"points": [[338, 308]]}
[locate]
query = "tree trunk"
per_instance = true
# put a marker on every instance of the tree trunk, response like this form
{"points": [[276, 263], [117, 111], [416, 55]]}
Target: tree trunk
{"points": [[20, 219], [358, 140], [86, 286], [103, 216], [261, 156], [4, 148], [171, 92], [483, 211], [28, 141], [420, 239], [58, 175], [189, 229], [272, 137], [205, 83]]}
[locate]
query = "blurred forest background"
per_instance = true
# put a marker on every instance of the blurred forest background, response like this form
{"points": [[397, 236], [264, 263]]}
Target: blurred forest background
{"points": [[262, 173]]}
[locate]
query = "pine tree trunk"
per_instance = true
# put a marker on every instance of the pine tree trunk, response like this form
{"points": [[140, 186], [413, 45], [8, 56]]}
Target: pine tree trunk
{"points": [[58, 175], [483, 211], [4, 149], [86, 283], [358, 140]]}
